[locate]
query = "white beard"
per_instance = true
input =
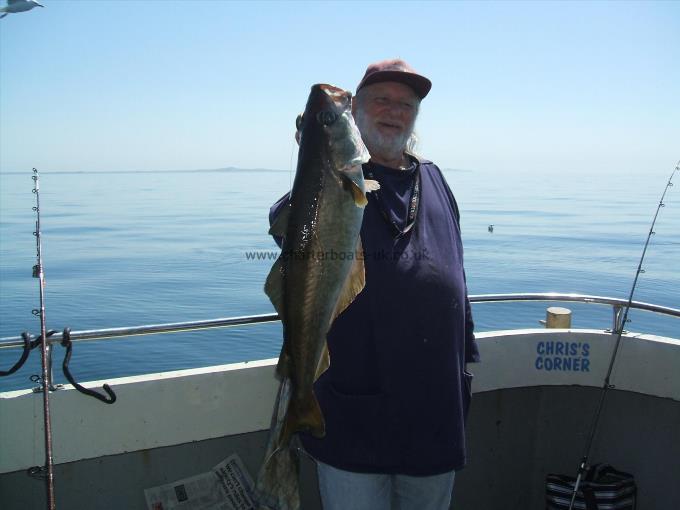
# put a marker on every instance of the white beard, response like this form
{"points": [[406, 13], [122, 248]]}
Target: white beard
{"points": [[377, 142]]}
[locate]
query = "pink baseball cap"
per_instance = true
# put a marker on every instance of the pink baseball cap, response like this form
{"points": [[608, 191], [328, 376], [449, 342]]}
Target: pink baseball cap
{"points": [[396, 70]]}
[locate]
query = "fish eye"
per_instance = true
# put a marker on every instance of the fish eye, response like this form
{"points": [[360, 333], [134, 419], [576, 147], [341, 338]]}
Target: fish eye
{"points": [[326, 117]]}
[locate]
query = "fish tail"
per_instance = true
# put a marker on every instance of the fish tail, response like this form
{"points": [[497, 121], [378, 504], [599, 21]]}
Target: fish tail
{"points": [[278, 483], [277, 486]]}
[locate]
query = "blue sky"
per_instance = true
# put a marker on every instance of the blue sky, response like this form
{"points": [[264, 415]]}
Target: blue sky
{"points": [[545, 87]]}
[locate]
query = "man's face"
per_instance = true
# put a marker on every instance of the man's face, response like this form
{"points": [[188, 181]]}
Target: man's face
{"points": [[385, 113]]}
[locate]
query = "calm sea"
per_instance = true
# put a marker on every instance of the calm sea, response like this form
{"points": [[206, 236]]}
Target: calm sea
{"points": [[127, 249]]}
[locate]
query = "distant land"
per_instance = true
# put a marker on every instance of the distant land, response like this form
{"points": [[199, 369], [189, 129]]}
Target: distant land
{"points": [[202, 170]]}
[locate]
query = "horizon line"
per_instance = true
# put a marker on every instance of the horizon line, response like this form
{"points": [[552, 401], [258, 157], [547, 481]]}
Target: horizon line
{"points": [[202, 170]]}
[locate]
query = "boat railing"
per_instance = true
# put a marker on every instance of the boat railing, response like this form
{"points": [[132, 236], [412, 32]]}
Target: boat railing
{"points": [[618, 307]]}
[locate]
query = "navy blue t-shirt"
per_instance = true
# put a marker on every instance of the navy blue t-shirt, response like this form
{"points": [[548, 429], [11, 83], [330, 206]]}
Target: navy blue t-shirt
{"points": [[396, 395]]}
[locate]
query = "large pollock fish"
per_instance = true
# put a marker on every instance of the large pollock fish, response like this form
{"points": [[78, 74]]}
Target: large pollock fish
{"points": [[318, 274]]}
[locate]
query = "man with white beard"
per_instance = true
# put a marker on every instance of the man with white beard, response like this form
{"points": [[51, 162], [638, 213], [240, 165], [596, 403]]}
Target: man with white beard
{"points": [[397, 392]]}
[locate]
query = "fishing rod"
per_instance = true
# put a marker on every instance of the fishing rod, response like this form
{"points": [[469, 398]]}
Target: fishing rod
{"points": [[46, 379], [619, 332]]}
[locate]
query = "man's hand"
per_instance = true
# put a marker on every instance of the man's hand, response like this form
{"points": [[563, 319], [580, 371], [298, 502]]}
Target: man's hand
{"points": [[298, 126]]}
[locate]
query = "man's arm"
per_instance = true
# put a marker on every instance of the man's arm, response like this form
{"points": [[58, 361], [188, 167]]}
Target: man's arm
{"points": [[471, 349]]}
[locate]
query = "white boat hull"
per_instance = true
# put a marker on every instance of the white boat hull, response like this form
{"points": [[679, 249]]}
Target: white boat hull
{"points": [[535, 394]]}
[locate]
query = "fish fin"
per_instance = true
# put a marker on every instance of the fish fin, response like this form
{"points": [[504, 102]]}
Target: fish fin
{"points": [[283, 365], [354, 283], [324, 362], [280, 224], [371, 185], [304, 415], [273, 287], [355, 183], [357, 193], [278, 478]]}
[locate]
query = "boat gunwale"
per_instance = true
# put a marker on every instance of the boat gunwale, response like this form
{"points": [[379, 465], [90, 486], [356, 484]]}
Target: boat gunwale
{"points": [[225, 322]]}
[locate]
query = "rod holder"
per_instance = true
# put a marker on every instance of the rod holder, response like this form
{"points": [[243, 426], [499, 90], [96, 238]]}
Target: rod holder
{"points": [[557, 317]]}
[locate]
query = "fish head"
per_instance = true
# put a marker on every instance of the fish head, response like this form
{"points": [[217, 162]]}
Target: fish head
{"points": [[329, 116]]}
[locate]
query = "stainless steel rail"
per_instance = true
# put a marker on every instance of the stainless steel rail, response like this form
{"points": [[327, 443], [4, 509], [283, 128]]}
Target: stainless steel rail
{"points": [[225, 322]]}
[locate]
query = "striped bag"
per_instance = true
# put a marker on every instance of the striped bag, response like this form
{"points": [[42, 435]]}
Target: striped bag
{"points": [[602, 488]]}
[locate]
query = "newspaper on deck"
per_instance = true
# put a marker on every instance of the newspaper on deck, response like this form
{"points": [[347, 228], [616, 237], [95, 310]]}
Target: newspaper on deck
{"points": [[228, 486]]}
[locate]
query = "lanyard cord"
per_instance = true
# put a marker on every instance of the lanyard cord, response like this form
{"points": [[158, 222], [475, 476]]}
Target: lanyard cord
{"points": [[414, 202]]}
